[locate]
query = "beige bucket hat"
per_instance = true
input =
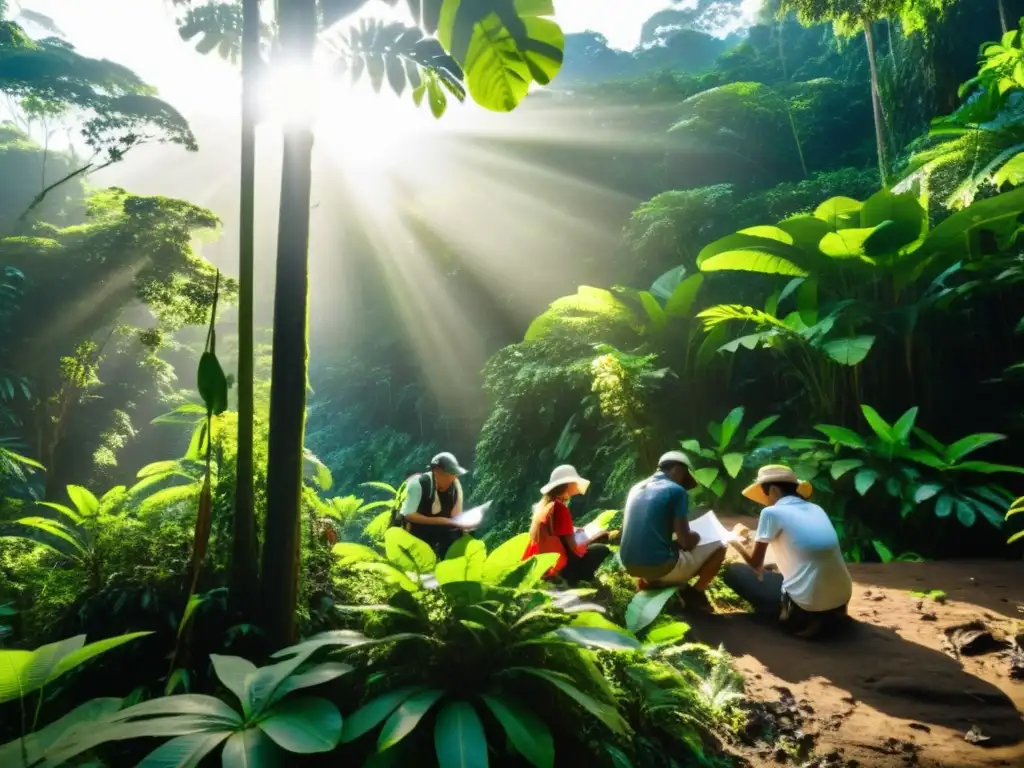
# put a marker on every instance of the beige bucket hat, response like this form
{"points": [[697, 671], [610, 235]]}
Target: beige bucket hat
{"points": [[563, 475], [775, 473]]}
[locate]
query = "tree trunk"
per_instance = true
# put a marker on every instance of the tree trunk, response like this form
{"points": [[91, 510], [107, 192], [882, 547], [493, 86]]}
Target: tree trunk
{"points": [[244, 562], [876, 105], [782, 51], [280, 568], [1002, 17]]}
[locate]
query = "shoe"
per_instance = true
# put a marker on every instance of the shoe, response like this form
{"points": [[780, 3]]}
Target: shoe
{"points": [[697, 600]]}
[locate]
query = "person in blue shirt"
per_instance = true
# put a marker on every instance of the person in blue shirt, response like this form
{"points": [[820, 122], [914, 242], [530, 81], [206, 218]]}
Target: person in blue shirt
{"points": [[655, 510]]}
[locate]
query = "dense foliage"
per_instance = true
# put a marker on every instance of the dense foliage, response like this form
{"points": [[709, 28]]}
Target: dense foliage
{"points": [[819, 265]]}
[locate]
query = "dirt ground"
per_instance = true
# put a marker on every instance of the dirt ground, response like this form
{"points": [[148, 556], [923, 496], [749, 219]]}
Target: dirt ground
{"points": [[894, 690]]}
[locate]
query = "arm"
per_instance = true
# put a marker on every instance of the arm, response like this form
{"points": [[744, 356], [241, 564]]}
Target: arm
{"points": [[754, 557], [767, 529], [686, 539]]}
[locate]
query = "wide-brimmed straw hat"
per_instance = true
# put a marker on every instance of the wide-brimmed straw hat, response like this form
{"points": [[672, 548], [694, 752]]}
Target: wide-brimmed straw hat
{"points": [[564, 475], [775, 473]]}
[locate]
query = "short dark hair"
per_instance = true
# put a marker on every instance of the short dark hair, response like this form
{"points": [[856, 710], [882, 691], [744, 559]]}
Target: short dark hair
{"points": [[786, 489]]}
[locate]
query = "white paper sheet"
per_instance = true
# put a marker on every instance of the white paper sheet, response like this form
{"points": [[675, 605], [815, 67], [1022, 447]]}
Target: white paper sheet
{"points": [[710, 529], [472, 518], [589, 533]]}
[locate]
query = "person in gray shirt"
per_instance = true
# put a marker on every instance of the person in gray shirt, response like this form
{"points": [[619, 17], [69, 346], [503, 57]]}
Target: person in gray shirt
{"points": [[657, 508]]}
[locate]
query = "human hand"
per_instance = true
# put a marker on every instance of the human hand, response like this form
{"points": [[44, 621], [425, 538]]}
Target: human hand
{"points": [[741, 531], [692, 540]]}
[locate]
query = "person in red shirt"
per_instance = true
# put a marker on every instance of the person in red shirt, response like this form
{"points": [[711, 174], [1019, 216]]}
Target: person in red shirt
{"points": [[552, 529]]}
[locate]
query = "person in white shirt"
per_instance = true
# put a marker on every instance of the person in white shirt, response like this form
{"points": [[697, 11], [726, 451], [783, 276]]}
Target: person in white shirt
{"points": [[813, 587]]}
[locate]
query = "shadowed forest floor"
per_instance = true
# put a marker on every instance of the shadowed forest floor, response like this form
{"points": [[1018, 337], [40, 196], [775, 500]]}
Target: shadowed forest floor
{"points": [[895, 690]]}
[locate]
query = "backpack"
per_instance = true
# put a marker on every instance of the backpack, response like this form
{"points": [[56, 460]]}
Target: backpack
{"points": [[397, 519]]}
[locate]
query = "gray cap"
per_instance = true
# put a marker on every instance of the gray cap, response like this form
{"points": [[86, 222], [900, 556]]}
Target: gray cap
{"points": [[447, 462]]}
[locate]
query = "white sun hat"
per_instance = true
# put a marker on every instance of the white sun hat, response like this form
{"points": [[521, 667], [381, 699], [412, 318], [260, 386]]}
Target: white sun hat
{"points": [[562, 476]]}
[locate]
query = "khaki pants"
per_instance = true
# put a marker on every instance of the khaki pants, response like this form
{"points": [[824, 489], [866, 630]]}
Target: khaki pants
{"points": [[687, 565]]}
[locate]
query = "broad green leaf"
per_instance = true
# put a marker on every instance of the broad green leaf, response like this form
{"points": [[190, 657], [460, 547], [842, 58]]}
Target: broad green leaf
{"points": [[729, 426], [755, 431], [653, 309], [839, 212], [645, 607], [184, 751], [249, 748], [527, 733], [988, 468], [665, 286], [69, 513], [849, 351], [472, 549], [374, 712], [528, 573], [208, 708], [733, 463], [318, 674], [606, 713], [77, 656], [404, 720], [878, 425], [904, 424], [303, 725], [459, 738], [864, 479], [944, 505], [930, 441], [502, 52], [900, 220], [54, 528], [85, 502], [750, 253], [666, 633], [845, 244], [842, 466], [505, 558], [706, 476], [965, 512], [807, 301], [805, 230], [752, 259], [408, 552], [970, 444], [841, 435], [232, 671], [599, 637], [60, 733], [680, 303], [884, 553], [925, 492]]}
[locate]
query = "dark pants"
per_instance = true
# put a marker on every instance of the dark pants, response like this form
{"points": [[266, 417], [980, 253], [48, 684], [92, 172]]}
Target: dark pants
{"points": [[583, 568], [771, 601]]}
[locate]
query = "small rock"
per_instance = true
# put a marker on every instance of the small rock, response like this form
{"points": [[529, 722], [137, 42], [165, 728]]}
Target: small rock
{"points": [[920, 727], [928, 617], [781, 755], [975, 736], [876, 598]]}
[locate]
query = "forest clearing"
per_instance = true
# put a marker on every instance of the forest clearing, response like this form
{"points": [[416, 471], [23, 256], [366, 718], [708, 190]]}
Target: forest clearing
{"points": [[511, 383]]}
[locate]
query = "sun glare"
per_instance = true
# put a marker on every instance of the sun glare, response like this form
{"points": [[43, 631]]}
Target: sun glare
{"points": [[358, 126]]}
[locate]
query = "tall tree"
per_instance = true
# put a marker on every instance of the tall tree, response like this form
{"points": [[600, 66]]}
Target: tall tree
{"points": [[850, 17]]}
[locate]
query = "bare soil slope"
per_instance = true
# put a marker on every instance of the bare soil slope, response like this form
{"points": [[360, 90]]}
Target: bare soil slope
{"points": [[911, 683]]}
